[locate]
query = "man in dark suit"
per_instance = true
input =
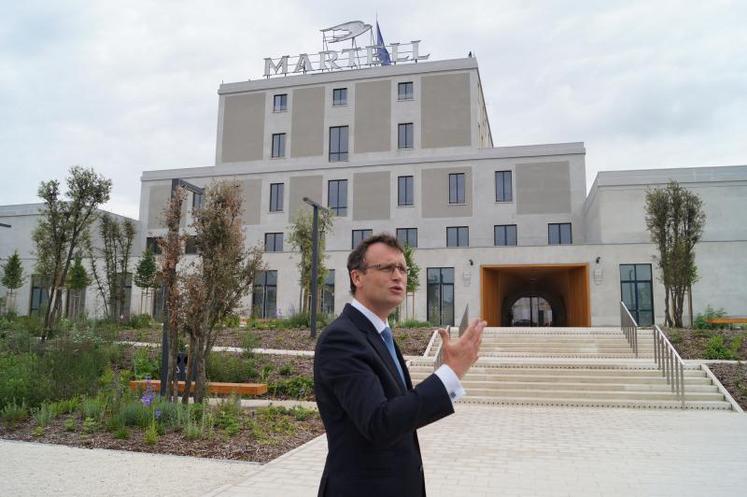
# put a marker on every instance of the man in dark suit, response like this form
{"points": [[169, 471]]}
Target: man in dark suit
{"points": [[365, 396]]}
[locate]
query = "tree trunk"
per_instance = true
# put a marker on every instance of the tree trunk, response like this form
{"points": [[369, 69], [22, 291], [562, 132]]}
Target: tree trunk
{"points": [[190, 369], [200, 376]]}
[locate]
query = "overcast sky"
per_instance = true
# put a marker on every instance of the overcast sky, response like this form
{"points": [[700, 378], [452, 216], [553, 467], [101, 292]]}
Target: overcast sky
{"points": [[131, 86]]}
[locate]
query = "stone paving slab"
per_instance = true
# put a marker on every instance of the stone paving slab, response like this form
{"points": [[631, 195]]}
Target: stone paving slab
{"points": [[30, 469], [551, 451]]}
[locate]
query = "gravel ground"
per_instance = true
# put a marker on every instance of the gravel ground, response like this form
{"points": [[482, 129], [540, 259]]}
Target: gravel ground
{"points": [[33, 469]]}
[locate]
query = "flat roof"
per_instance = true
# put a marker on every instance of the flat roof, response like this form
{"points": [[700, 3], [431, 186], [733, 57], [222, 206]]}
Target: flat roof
{"points": [[348, 75], [680, 174]]}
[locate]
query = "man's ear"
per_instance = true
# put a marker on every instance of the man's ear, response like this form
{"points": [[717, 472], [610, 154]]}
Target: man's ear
{"points": [[355, 275]]}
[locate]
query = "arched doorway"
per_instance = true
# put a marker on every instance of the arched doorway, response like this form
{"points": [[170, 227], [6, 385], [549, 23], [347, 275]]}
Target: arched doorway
{"points": [[533, 309]]}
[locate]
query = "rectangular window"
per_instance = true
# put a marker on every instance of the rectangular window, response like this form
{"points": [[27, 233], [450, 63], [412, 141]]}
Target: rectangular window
{"points": [[276, 197], [280, 102], [503, 192], [408, 236], [405, 190], [559, 234], [197, 199], [441, 296], [39, 294], [405, 135], [456, 188], [278, 145], [152, 242], [338, 143], [340, 96], [337, 196], [504, 234], [359, 236], [190, 245], [404, 91], [636, 288], [264, 295], [328, 293], [273, 242], [457, 236]]}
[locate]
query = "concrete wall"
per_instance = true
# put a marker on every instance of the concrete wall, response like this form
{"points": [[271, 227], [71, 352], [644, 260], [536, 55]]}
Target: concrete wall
{"points": [[373, 116], [446, 111], [371, 196], [307, 122], [243, 127]]}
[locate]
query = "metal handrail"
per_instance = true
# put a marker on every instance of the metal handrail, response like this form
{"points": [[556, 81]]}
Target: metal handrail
{"points": [[629, 327], [670, 363]]}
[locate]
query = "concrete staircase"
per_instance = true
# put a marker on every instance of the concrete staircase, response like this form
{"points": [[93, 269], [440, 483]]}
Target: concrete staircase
{"points": [[573, 367]]}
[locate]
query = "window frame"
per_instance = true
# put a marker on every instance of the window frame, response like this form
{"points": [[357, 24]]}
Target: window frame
{"points": [[405, 96], [442, 283], [339, 102], [409, 129], [152, 242], [274, 236], [261, 284], [279, 152], [280, 102], [338, 210], [636, 282], [455, 199], [364, 233], [505, 228], [339, 155], [560, 226], [409, 184], [459, 237], [504, 198], [277, 190], [407, 232]]}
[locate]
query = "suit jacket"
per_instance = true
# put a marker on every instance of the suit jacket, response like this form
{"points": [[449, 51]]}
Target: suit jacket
{"points": [[369, 415]]}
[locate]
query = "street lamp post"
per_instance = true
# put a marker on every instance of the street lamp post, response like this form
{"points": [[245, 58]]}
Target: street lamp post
{"points": [[314, 263], [175, 184]]}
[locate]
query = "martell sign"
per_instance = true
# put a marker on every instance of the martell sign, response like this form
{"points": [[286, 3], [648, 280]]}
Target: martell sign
{"points": [[376, 53]]}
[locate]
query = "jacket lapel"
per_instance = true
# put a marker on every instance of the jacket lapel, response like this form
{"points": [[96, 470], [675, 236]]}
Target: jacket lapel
{"points": [[377, 343]]}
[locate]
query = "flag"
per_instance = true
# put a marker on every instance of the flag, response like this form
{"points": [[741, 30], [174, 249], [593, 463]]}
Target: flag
{"points": [[381, 50]]}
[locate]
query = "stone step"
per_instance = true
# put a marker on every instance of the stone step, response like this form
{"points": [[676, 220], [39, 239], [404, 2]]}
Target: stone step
{"points": [[600, 379], [643, 404], [600, 395], [563, 371], [661, 387], [570, 354]]}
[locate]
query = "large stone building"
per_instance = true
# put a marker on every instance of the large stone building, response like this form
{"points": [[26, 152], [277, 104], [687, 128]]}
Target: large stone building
{"points": [[408, 149]]}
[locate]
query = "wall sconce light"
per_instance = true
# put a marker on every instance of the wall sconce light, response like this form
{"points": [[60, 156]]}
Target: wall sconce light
{"points": [[598, 259], [471, 262]]}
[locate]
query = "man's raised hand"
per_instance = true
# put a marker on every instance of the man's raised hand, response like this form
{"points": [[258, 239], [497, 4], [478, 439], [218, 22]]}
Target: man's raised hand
{"points": [[461, 354]]}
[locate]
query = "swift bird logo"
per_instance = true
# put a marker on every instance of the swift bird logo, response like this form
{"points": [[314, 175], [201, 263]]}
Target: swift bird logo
{"points": [[346, 31]]}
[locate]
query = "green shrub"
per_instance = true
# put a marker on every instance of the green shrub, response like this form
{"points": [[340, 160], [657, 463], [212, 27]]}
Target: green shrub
{"points": [[702, 320], [717, 349], [232, 368], [301, 413], [122, 433], [286, 370], [298, 387], [414, 323], [74, 368], [38, 431], [249, 341], [140, 321], [43, 415], [151, 434], [134, 413], [228, 416], [145, 364], [675, 337], [90, 425], [169, 413], [66, 406], [13, 413], [92, 408], [231, 321], [70, 424], [21, 378]]}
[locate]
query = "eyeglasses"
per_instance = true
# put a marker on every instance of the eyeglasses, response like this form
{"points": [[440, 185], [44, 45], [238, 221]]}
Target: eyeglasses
{"points": [[387, 268]]}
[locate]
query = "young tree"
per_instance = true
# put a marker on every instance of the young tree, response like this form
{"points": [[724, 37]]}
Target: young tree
{"points": [[63, 223], [77, 282], [413, 279], [117, 238], [146, 273], [300, 238], [222, 275], [675, 221], [12, 278]]}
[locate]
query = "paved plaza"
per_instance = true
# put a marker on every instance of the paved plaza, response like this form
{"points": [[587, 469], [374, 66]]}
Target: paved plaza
{"points": [[479, 451]]}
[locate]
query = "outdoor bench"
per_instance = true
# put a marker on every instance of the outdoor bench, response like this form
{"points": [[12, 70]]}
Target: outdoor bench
{"points": [[213, 387]]}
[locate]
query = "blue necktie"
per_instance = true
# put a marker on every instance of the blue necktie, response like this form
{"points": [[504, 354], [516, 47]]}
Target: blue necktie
{"points": [[389, 341]]}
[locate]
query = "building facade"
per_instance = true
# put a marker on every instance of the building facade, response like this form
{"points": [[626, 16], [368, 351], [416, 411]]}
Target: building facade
{"points": [[407, 149]]}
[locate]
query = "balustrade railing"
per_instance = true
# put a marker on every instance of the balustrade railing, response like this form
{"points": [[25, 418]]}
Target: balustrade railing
{"points": [[629, 327]]}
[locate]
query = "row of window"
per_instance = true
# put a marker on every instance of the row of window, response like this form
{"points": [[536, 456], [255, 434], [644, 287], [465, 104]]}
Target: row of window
{"points": [[337, 192], [338, 141], [405, 91], [636, 288], [456, 236]]}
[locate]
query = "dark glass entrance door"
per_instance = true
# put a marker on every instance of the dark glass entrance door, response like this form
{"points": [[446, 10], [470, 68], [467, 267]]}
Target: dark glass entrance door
{"points": [[531, 311]]}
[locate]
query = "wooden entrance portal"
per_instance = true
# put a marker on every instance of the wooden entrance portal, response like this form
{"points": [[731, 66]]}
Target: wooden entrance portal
{"points": [[565, 288]]}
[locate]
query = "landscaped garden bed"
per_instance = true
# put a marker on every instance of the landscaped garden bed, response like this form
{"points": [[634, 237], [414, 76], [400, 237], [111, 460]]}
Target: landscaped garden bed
{"points": [[734, 378], [709, 343]]}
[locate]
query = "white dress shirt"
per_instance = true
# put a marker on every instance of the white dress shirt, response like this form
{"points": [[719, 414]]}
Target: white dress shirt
{"points": [[447, 375]]}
